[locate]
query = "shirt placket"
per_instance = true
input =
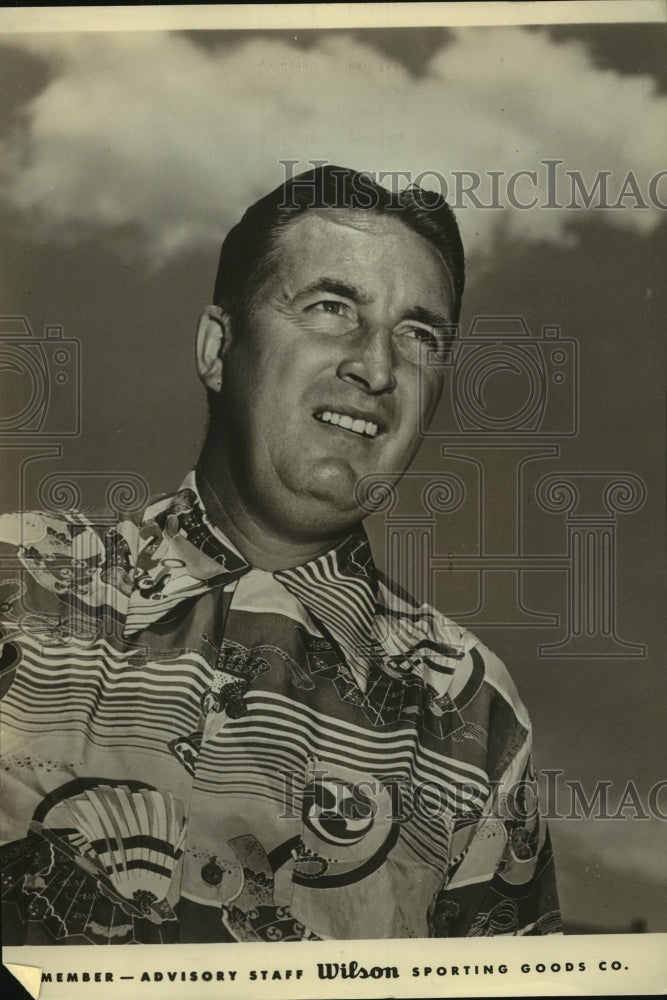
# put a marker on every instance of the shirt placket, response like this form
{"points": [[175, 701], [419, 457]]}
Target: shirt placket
{"points": [[208, 870]]}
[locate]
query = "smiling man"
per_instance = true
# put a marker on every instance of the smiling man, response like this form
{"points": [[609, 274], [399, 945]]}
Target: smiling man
{"points": [[319, 384], [222, 723]]}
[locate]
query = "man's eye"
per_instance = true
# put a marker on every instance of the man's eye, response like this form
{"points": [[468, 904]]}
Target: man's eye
{"points": [[437, 341], [423, 333], [331, 306]]}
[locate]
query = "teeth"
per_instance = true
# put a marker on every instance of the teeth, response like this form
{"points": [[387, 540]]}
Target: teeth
{"points": [[365, 427]]}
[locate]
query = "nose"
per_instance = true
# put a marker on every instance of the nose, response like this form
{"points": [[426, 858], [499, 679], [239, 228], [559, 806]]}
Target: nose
{"points": [[369, 363]]}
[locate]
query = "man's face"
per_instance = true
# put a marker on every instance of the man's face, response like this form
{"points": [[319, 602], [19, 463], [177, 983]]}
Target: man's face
{"points": [[321, 386]]}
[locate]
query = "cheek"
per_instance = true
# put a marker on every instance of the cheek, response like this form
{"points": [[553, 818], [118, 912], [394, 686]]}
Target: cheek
{"points": [[420, 398], [428, 394], [254, 383], [279, 368]]}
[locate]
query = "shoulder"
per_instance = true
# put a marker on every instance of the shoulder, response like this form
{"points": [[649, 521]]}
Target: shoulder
{"points": [[62, 553], [448, 656], [45, 532]]}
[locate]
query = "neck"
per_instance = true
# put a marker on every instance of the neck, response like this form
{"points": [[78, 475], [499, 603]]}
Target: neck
{"points": [[261, 546]]}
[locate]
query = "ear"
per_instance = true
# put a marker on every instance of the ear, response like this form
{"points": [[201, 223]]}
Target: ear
{"points": [[213, 337]]}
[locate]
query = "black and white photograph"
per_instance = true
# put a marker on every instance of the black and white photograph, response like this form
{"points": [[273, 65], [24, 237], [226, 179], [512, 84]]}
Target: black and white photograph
{"points": [[332, 534]]}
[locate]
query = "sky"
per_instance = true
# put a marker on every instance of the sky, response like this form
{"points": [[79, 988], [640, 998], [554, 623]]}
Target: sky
{"points": [[124, 159], [125, 117]]}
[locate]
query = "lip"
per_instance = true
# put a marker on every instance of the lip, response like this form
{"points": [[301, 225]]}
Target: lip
{"points": [[368, 416]]}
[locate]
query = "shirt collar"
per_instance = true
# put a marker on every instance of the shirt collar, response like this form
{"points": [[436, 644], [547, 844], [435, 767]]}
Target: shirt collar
{"points": [[339, 591], [182, 554]]}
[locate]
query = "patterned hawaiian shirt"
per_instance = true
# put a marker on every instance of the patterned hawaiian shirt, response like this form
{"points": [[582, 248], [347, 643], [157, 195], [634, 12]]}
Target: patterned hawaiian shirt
{"points": [[195, 750]]}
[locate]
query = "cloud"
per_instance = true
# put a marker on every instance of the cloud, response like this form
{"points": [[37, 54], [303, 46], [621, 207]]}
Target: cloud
{"points": [[153, 132]]}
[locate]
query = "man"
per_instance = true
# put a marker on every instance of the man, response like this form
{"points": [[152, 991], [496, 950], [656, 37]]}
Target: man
{"points": [[223, 723]]}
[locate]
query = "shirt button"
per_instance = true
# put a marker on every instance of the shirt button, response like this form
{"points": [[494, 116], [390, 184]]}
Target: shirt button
{"points": [[211, 872]]}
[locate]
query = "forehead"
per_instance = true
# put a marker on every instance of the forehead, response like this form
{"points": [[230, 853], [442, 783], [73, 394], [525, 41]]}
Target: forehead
{"points": [[377, 253]]}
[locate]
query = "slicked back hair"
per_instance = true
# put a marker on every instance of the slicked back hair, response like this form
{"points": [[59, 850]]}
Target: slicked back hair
{"points": [[251, 249]]}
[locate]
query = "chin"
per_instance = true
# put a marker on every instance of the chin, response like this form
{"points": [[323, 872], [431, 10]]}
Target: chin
{"points": [[314, 520], [329, 509], [334, 484], [318, 512]]}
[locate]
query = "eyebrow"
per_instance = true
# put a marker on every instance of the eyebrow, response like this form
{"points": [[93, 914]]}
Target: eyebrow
{"points": [[336, 287], [430, 318]]}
